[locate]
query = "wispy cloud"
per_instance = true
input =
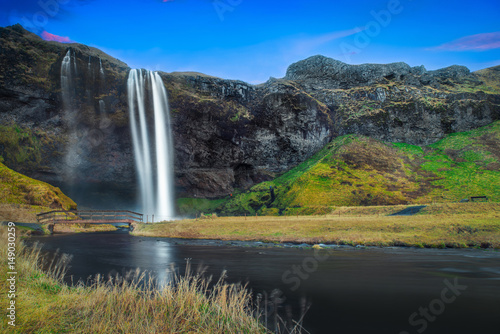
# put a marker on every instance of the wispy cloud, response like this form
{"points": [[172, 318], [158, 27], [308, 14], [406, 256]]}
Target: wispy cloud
{"points": [[479, 42], [309, 44], [51, 37]]}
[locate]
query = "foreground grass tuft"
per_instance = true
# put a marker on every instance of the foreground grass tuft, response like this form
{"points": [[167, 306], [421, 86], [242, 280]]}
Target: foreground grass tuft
{"points": [[20, 212]]}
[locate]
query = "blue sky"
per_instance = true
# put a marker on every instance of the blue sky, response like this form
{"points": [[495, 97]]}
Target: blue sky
{"points": [[252, 40]]}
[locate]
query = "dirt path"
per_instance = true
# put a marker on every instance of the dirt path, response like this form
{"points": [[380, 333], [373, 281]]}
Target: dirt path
{"points": [[409, 211]]}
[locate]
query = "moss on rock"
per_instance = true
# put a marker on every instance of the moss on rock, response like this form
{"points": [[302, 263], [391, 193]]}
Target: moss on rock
{"points": [[16, 188]]}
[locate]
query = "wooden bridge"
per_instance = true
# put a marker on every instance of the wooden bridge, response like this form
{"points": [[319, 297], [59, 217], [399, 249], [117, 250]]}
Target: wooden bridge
{"points": [[89, 217]]}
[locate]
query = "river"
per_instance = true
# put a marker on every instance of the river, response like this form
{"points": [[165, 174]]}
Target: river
{"points": [[350, 290]]}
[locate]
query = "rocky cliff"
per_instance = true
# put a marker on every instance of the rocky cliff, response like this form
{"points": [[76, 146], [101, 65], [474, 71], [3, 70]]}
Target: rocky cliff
{"points": [[228, 134], [396, 102]]}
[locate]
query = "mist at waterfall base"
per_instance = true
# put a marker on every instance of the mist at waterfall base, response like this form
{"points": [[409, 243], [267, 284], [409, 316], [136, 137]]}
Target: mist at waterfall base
{"points": [[152, 143], [150, 133], [88, 195]]}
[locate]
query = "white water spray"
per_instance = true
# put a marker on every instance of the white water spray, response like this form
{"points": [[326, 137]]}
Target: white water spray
{"points": [[101, 70], [68, 71], [154, 169], [102, 107], [68, 89]]}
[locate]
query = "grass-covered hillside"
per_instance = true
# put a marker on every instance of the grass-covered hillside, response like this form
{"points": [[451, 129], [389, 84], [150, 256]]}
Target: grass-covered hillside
{"points": [[490, 78], [18, 189], [355, 170]]}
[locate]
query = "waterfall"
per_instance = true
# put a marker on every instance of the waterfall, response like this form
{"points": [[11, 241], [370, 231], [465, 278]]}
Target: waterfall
{"points": [[68, 71], [68, 90], [101, 72], [147, 98], [102, 107]]}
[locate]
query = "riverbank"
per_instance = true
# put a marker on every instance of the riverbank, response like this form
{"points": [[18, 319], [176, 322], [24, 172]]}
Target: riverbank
{"points": [[454, 225], [28, 229], [83, 228], [43, 303]]}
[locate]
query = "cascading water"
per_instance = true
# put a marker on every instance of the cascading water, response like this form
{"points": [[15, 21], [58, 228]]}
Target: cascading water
{"points": [[102, 107], [68, 90], [68, 71], [101, 72], [154, 169]]}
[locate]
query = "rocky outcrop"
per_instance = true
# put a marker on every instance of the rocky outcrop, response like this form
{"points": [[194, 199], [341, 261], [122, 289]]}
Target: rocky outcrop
{"points": [[319, 72], [228, 134], [396, 102]]}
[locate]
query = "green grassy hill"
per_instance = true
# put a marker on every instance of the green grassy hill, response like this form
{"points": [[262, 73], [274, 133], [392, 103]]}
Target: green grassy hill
{"points": [[16, 188], [355, 170], [490, 78]]}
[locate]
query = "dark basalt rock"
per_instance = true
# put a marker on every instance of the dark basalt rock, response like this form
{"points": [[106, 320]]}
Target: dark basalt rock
{"points": [[227, 133], [319, 72]]}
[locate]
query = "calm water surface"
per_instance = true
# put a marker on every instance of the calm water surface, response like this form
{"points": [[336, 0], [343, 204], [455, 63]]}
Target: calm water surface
{"points": [[350, 290]]}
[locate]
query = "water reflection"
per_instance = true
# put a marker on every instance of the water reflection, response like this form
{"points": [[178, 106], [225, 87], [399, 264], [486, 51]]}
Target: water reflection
{"points": [[163, 261]]}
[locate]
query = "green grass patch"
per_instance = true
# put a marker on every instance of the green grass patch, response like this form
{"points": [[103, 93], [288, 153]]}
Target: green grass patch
{"points": [[466, 164], [16, 188], [197, 206], [19, 146]]}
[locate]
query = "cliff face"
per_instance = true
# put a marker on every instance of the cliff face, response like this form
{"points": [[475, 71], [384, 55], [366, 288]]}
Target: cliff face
{"points": [[31, 103], [399, 103], [228, 134]]}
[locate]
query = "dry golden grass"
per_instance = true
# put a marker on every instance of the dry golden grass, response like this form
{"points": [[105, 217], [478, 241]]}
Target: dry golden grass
{"points": [[21, 213], [78, 228], [45, 304], [473, 225]]}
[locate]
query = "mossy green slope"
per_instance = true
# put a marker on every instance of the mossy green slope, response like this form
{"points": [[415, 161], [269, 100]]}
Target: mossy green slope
{"points": [[16, 188], [188, 206], [466, 164], [355, 170], [490, 78]]}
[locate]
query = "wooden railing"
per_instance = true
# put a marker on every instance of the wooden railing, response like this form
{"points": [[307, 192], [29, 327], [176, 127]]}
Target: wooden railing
{"points": [[90, 216]]}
